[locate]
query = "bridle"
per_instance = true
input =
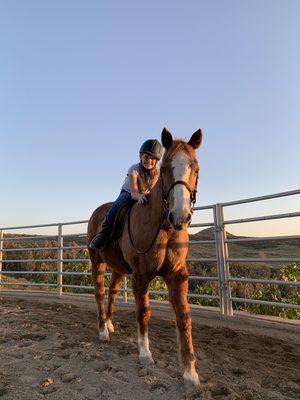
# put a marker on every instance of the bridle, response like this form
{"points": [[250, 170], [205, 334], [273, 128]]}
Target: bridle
{"points": [[193, 192], [165, 197]]}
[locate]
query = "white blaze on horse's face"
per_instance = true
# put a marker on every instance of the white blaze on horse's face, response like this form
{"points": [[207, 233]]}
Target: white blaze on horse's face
{"points": [[180, 214]]}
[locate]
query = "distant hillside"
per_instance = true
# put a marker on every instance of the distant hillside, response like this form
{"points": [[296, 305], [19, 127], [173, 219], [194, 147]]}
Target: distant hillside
{"points": [[209, 234], [252, 249]]}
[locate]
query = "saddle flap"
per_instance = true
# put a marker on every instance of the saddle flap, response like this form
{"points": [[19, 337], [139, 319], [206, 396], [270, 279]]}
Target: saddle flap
{"points": [[119, 221]]}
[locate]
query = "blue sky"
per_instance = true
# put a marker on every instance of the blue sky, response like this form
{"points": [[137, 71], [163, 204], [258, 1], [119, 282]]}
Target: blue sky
{"points": [[84, 83]]}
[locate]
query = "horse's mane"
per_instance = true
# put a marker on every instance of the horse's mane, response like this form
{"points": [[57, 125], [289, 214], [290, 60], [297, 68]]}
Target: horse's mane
{"points": [[178, 145]]}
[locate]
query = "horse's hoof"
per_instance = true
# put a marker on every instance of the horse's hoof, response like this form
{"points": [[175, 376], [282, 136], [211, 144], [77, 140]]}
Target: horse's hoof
{"points": [[191, 380], [104, 333], [146, 360], [110, 326]]}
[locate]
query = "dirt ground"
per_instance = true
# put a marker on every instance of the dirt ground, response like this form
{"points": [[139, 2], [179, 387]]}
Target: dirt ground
{"points": [[51, 351]]}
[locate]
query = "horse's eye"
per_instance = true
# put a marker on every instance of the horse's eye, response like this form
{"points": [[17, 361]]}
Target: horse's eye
{"points": [[162, 169], [194, 165]]}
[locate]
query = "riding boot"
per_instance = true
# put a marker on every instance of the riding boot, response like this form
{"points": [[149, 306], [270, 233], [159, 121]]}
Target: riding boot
{"points": [[99, 241]]}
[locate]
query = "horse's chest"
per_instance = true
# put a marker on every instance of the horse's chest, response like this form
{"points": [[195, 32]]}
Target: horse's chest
{"points": [[150, 262]]}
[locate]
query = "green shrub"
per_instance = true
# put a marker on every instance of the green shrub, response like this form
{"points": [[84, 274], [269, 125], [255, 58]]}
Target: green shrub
{"points": [[281, 294]]}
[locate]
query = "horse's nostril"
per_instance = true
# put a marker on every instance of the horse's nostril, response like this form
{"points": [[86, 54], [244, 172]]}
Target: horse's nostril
{"points": [[171, 218]]}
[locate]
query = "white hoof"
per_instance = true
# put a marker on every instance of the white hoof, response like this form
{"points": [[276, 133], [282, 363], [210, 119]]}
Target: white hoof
{"points": [[191, 379], [103, 333], [145, 357], [110, 326]]}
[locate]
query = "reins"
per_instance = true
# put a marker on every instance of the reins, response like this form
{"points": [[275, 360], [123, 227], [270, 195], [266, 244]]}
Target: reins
{"points": [[154, 238], [166, 209]]}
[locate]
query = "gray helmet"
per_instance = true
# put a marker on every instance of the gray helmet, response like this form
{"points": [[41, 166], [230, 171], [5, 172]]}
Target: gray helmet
{"points": [[153, 148]]}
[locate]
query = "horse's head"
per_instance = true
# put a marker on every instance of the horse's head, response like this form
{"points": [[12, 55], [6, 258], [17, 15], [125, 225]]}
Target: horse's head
{"points": [[179, 174]]}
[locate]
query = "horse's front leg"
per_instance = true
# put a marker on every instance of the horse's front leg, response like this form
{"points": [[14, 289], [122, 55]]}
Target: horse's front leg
{"points": [[140, 289], [177, 282]]}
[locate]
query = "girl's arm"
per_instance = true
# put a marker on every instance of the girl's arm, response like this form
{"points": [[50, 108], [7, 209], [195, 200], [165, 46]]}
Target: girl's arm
{"points": [[134, 190]]}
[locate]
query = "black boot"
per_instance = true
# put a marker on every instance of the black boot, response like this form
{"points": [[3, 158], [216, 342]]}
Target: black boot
{"points": [[99, 241]]}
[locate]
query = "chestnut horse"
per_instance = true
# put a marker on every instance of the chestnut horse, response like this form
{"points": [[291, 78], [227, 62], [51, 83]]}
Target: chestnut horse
{"points": [[154, 241]]}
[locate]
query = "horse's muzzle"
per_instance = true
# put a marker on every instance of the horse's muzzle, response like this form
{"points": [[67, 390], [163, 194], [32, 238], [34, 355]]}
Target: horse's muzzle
{"points": [[179, 224]]}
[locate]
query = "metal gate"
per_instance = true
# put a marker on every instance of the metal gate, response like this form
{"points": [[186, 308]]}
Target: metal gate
{"points": [[222, 257]]}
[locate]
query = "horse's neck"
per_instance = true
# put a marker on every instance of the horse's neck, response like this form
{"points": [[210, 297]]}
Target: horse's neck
{"points": [[152, 213], [156, 201]]}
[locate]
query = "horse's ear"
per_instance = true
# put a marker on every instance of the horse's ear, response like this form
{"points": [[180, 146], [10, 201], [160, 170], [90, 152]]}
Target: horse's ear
{"points": [[166, 138], [196, 139]]}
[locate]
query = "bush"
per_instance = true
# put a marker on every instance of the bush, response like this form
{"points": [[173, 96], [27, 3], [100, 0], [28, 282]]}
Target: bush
{"points": [[280, 293]]}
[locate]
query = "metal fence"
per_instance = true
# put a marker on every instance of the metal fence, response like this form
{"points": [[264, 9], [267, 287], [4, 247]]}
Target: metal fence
{"points": [[222, 258]]}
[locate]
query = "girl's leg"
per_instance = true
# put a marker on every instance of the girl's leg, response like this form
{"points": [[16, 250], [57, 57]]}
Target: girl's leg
{"points": [[101, 238]]}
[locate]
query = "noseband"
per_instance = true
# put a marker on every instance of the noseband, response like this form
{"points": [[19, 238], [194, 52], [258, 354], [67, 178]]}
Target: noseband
{"points": [[193, 192]]}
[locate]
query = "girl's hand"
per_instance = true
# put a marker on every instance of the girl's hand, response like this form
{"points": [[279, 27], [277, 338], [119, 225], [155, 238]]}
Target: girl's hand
{"points": [[142, 199]]}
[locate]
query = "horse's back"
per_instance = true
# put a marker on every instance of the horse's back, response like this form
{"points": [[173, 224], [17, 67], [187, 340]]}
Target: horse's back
{"points": [[96, 220]]}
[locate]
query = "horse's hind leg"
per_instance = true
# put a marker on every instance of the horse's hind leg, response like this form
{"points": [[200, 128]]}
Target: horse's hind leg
{"points": [[98, 270], [116, 280]]}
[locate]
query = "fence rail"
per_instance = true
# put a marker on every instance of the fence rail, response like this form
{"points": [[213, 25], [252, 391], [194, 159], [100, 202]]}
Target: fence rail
{"points": [[220, 242]]}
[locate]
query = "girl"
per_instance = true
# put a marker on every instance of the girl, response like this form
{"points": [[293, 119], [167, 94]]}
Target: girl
{"points": [[138, 183]]}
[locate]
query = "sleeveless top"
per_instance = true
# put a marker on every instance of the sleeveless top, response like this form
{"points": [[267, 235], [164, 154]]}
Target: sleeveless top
{"points": [[145, 179]]}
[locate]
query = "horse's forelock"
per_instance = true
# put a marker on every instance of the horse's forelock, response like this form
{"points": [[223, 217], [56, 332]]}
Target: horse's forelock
{"points": [[177, 146]]}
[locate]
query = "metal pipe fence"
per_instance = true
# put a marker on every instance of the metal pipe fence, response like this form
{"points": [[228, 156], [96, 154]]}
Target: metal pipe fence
{"points": [[220, 242]]}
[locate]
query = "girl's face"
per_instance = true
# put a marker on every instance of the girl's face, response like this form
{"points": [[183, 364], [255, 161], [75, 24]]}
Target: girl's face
{"points": [[148, 161]]}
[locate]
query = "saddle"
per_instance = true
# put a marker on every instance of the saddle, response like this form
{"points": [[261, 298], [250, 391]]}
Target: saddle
{"points": [[119, 222]]}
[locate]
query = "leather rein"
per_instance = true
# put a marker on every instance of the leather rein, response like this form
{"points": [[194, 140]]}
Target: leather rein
{"points": [[193, 193]]}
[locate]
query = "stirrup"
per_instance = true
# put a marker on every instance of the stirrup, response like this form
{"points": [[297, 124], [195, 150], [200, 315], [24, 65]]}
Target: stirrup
{"points": [[98, 242]]}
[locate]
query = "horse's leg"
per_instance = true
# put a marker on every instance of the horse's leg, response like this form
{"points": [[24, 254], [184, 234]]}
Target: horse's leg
{"points": [[140, 290], [116, 280], [177, 282], [98, 270]]}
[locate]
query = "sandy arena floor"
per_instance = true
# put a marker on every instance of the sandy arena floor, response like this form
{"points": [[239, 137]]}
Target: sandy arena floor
{"points": [[51, 351]]}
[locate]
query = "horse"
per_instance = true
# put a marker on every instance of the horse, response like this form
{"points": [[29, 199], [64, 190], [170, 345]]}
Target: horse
{"points": [[153, 242]]}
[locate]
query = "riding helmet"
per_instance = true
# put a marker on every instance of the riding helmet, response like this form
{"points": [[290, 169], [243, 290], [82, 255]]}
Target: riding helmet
{"points": [[153, 148]]}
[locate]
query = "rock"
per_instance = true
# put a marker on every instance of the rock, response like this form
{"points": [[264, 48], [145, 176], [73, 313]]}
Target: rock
{"points": [[47, 382], [68, 377]]}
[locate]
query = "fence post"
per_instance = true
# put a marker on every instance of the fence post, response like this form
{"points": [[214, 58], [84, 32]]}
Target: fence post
{"points": [[125, 289], [220, 269], [60, 244], [224, 265], [1, 255]]}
